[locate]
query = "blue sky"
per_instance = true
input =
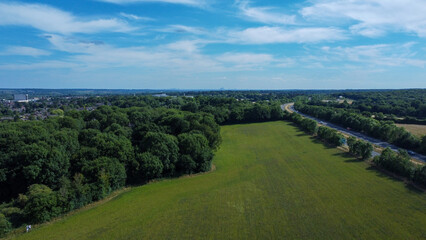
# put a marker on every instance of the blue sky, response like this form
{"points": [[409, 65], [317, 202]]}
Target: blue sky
{"points": [[211, 44]]}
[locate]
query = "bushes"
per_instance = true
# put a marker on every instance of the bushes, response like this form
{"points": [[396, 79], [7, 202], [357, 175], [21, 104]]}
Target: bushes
{"points": [[419, 175], [400, 164], [331, 136], [310, 126], [5, 225], [359, 148], [41, 205]]}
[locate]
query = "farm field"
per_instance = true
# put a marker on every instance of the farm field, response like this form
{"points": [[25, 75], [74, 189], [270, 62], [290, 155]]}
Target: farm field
{"points": [[418, 130], [271, 181]]}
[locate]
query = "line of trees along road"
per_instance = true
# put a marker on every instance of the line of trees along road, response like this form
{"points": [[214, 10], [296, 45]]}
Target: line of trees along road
{"points": [[398, 163], [311, 126], [360, 148], [384, 130]]}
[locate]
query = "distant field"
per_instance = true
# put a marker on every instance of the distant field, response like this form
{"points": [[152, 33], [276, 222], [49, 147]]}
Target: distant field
{"points": [[418, 130], [271, 182]]}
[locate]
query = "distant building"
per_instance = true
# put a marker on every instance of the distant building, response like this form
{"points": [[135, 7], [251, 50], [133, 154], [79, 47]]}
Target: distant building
{"points": [[20, 97], [188, 96], [160, 95]]}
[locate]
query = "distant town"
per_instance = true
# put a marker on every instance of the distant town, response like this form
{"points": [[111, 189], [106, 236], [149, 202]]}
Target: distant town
{"points": [[26, 107]]}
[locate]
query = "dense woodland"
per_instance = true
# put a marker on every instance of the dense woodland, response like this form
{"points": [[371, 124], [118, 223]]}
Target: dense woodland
{"points": [[51, 167]]}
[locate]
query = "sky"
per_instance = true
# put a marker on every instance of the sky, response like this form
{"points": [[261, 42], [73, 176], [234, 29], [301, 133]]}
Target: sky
{"points": [[213, 44]]}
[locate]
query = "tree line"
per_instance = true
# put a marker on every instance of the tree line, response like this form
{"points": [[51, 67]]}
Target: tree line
{"points": [[384, 130], [400, 163], [358, 148], [327, 134]]}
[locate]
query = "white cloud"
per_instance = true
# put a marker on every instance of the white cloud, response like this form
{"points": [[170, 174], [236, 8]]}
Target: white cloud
{"points": [[374, 17], [264, 35], [71, 45], [176, 28], [391, 55], [136, 17], [183, 57], [264, 14], [195, 3], [50, 19], [189, 46], [24, 51], [87, 55]]}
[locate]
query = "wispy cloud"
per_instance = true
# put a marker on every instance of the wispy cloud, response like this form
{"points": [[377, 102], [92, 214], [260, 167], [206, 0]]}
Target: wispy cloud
{"points": [[391, 55], [72, 45], [189, 46], [265, 35], [136, 17], [267, 15], [176, 28], [181, 56], [374, 17], [24, 51], [49, 19], [194, 3]]}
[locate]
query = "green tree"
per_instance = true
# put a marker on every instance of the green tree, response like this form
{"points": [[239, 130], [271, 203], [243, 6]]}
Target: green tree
{"points": [[149, 166], [5, 225], [106, 172], [165, 147], [196, 146], [41, 205]]}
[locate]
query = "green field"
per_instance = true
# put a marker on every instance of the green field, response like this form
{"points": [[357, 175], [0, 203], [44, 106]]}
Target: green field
{"points": [[271, 181]]}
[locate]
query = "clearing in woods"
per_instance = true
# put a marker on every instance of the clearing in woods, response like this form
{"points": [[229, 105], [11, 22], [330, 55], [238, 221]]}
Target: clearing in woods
{"points": [[271, 181]]}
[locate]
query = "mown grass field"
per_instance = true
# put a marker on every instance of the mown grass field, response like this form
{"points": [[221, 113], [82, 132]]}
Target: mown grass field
{"points": [[271, 182], [418, 130]]}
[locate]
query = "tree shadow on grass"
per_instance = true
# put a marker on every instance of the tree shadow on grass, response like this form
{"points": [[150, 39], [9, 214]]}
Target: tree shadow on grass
{"points": [[349, 158], [382, 173], [388, 175], [326, 145]]}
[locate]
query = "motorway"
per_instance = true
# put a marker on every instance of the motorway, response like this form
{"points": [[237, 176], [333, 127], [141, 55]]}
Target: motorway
{"points": [[290, 107]]}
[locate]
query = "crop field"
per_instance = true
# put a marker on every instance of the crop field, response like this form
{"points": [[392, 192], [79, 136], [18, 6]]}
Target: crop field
{"points": [[271, 181], [418, 130]]}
